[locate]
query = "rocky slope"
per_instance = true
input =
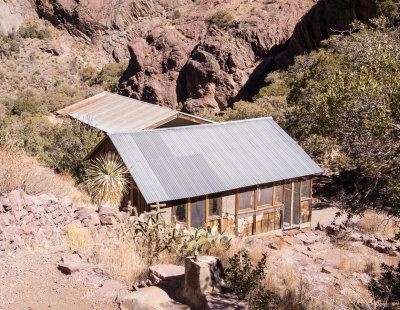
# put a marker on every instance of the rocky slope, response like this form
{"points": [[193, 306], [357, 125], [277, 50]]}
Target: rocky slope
{"points": [[181, 51]]}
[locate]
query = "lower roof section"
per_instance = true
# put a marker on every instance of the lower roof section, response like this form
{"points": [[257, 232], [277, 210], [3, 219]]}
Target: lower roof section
{"points": [[115, 113], [175, 163]]}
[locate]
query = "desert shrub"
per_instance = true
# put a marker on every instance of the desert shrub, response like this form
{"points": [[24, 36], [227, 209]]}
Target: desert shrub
{"points": [[245, 279], [221, 19], [89, 75], [379, 224], [9, 45], [386, 289], [14, 168], [176, 14], [106, 179], [18, 170], [110, 74], [32, 29]]}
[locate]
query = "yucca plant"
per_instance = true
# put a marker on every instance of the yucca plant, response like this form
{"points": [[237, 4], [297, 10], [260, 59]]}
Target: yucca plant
{"points": [[107, 179]]}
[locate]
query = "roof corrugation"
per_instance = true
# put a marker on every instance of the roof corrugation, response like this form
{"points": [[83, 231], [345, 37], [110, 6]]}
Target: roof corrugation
{"points": [[182, 162], [115, 113]]}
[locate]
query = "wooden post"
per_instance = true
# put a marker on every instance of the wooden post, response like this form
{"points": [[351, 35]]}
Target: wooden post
{"points": [[273, 194], [291, 203], [188, 213], [236, 213], [207, 211]]}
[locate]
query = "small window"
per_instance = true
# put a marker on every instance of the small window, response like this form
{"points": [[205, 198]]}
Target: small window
{"points": [[246, 200], [305, 188], [181, 211], [215, 205], [265, 193], [278, 193], [197, 212]]}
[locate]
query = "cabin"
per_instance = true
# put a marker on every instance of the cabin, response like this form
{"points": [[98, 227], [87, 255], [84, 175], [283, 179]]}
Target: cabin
{"points": [[246, 176], [115, 113]]}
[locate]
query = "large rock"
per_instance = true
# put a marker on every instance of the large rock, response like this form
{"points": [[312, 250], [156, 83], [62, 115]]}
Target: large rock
{"points": [[167, 275], [13, 13], [202, 277], [150, 298]]}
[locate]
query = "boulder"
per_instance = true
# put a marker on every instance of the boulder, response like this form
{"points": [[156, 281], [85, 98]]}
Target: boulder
{"points": [[167, 275], [69, 268], [202, 276], [149, 298]]}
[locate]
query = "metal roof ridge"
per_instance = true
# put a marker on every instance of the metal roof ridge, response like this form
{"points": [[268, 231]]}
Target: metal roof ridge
{"points": [[190, 127]]}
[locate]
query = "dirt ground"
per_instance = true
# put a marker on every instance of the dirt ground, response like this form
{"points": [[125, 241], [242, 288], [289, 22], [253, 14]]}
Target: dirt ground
{"points": [[30, 281]]}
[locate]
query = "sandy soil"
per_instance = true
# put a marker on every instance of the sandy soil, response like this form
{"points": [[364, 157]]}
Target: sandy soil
{"points": [[30, 280]]}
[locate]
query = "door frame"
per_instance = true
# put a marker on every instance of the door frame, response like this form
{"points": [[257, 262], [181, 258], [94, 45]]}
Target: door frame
{"points": [[291, 224]]}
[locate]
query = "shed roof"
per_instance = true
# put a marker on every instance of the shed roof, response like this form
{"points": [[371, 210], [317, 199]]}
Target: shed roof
{"points": [[115, 113], [182, 162]]}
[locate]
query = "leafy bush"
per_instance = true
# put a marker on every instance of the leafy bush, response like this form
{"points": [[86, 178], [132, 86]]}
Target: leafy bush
{"points": [[387, 288], [176, 14], [245, 279], [221, 19], [106, 179], [89, 75]]}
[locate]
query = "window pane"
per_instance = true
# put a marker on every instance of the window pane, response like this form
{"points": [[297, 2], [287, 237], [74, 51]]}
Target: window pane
{"points": [[198, 212], [181, 211], [305, 188], [246, 200], [278, 193], [215, 205], [265, 195]]}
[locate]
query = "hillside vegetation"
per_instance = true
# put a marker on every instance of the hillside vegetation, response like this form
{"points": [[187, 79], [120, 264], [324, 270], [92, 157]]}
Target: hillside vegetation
{"points": [[342, 103]]}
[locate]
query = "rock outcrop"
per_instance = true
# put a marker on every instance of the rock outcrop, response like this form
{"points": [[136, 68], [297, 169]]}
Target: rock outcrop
{"points": [[178, 53], [13, 13]]}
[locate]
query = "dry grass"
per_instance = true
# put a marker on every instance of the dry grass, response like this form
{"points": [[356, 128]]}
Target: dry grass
{"points": [[79, 239], [379, 224], [123, 259], [18, 170]]}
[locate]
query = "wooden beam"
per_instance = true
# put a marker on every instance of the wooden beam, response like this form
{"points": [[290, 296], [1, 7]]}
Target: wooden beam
{"points": [[291, 203], [273, 193], [192, 119], [102, 141], [160, 123]]}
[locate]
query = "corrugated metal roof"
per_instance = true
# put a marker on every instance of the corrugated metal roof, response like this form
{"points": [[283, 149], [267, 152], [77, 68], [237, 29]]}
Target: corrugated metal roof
{"points": [[182, 162], [115, 113]]}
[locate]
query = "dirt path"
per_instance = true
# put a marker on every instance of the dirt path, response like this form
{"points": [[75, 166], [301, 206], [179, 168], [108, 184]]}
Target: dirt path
{"points": [[30, 280]]}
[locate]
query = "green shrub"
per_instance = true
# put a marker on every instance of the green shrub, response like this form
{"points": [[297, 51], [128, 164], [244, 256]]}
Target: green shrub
{"points": [[387, 288], [110, 75], [222, 19], [89, 75], [176, 14], [32, 30], [245, 279]]}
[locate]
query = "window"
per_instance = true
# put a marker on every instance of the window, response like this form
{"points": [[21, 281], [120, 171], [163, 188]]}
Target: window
{"points": [[305, 188], [215, 205], [278, 193], [181, 211], [197, 212], [246, 200], [264, 195]]}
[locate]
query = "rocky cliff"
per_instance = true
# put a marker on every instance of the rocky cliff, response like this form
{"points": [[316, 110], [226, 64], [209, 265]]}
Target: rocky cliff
{"points": [[204, 54]]}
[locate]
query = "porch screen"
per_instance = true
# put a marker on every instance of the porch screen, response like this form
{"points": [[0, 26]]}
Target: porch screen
{"points": [[264, 195], [305, 188], [246, 200], [278, 194], [215, 205], [197, 212]]}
